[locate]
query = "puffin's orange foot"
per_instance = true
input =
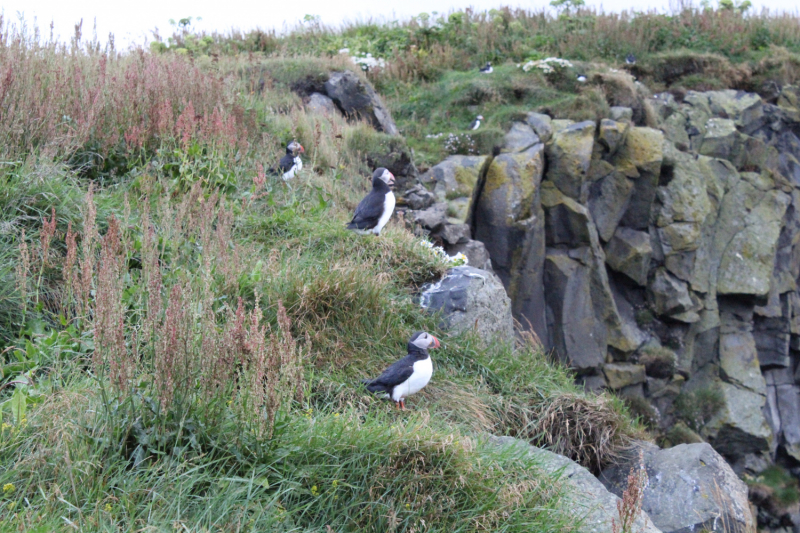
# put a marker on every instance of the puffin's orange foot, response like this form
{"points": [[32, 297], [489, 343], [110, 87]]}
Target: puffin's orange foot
{"points": [[402, 405]]}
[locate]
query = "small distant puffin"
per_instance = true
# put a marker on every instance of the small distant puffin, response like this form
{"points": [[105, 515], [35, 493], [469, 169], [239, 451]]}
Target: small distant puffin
{"points": [[408, 375], [476, 123], [581, 78], [291, 164], [630, 59], [487, 69], [375, 210]]}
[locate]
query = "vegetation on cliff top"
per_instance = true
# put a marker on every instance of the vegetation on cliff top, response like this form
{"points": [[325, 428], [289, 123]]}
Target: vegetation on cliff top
{"points": [[183, 333]]}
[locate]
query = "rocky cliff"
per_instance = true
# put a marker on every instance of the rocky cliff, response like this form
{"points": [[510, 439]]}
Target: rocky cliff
{"points": [[661, 262]]}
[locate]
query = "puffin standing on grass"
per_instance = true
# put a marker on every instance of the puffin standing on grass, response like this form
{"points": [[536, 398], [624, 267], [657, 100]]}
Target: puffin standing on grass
{"points": [[375, 210], [476, 123], [487, 69], [291, 164], [408, 375]]}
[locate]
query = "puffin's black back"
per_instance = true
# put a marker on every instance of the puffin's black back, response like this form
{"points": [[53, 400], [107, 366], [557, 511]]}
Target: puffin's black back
{"points": [[370, 208]]}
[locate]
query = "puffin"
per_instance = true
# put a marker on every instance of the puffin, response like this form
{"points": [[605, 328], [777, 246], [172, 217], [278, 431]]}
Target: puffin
{"points": [[375, 210], [476, 123], [581, 78], [630, 59], [408, 375], [291, 164], [487, 69]]}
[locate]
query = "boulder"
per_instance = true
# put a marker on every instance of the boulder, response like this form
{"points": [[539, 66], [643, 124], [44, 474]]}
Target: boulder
{"points": [[357, 99], [541, 125], [566, 221], [321, 104], [629, 252], [747, 262], [690, 488], [612, 134], [433, 218], [621, 114], [507, 217], [467, 298], [619, 375], [520, 137], [668, 295], [608, 200], [418, 197], [642, 151], [454, 233], [738, 360], [740, 427], [454, 177], [578, 336], [745, 109], [592, 505], [569, 154], [720, 139], [475, 251]]}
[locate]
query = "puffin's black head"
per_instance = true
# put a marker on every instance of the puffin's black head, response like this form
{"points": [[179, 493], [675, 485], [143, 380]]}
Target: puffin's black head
{"points": [[383, 175], [294, 148], [422, 341]]}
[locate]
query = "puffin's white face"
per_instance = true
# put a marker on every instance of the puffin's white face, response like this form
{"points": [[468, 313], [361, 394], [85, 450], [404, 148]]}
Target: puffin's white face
{"points": [[426, 341], [480, 117], [387, 177]]}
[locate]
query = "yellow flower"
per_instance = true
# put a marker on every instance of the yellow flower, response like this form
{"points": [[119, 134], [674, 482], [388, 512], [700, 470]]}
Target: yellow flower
{"points": [[314, 491], [335, 415], [11, 505], [107, 508], [335, 483], [408, 506], [8, 487], [7, 426]]}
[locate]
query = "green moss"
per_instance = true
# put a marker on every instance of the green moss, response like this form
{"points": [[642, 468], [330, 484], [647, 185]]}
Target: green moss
{"points": [[644, 317], [785, 487], [699, 406], [679, 433]]}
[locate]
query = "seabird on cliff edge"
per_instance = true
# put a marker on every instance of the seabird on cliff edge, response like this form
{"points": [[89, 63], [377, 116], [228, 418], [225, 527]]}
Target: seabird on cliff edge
{"points": [[408, 375], [375, 210]]}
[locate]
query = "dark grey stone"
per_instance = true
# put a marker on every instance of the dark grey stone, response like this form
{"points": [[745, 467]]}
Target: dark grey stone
{"points": [[357, 99]]}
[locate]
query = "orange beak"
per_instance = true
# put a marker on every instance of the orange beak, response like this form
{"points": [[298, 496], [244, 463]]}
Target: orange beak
{"points": [[435, 342], [302, 150]]}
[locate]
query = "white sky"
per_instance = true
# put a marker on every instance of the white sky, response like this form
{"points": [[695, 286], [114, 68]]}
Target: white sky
{"points": [[132, 23]]}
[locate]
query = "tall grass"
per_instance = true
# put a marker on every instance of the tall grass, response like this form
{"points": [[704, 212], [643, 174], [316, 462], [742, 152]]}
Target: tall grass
{"points": [[57, 98], [425, 46]]}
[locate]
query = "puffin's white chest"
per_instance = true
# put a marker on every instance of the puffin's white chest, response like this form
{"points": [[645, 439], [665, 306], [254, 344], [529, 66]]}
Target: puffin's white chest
{"points": [[388, 209], [297, 167], [423, 370], [476, 124]]}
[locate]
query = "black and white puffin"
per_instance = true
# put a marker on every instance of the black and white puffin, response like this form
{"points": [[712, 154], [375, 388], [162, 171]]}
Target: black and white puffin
{"points": [[375, 210], [476, 123], [408, 375], [630, 59], [487, 69], [291, 164]]}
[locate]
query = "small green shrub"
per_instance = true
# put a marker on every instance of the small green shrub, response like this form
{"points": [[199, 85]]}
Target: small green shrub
{"points": [[659, 361], [697, 407], [679, 433], [641, 409]]}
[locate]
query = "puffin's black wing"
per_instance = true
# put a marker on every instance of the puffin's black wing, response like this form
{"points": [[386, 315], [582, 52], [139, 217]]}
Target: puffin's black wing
{"points": [[396, 374], [368, 212], [286, 163]]}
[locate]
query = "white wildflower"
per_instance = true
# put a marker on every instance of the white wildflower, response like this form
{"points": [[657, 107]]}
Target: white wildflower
{"points": [[450, 260], [548, 66]]}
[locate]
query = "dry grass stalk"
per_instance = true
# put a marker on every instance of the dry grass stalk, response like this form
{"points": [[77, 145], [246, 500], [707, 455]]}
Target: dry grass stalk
{"points": [[629, 508]]}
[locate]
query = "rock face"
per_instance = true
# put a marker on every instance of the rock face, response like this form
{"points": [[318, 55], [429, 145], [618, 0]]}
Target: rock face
{"points": [[468, 298], [662, 262], [690, 488], [592, 503], [358, 99]]}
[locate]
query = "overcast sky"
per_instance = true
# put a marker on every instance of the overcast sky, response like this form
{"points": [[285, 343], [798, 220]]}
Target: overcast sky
{"points": [[133, 22]]}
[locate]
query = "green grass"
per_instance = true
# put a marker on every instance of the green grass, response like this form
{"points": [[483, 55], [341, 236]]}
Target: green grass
{"points": [[77, 449]]}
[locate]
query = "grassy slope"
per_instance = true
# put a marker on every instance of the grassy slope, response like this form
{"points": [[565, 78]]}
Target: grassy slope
{"points": [[78, 451]]}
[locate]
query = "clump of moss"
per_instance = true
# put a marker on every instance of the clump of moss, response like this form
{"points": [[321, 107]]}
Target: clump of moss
{"points": [[783, 485], [679, 433], [658, 361], [699, 406], [644, 317], [642, 410]]}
